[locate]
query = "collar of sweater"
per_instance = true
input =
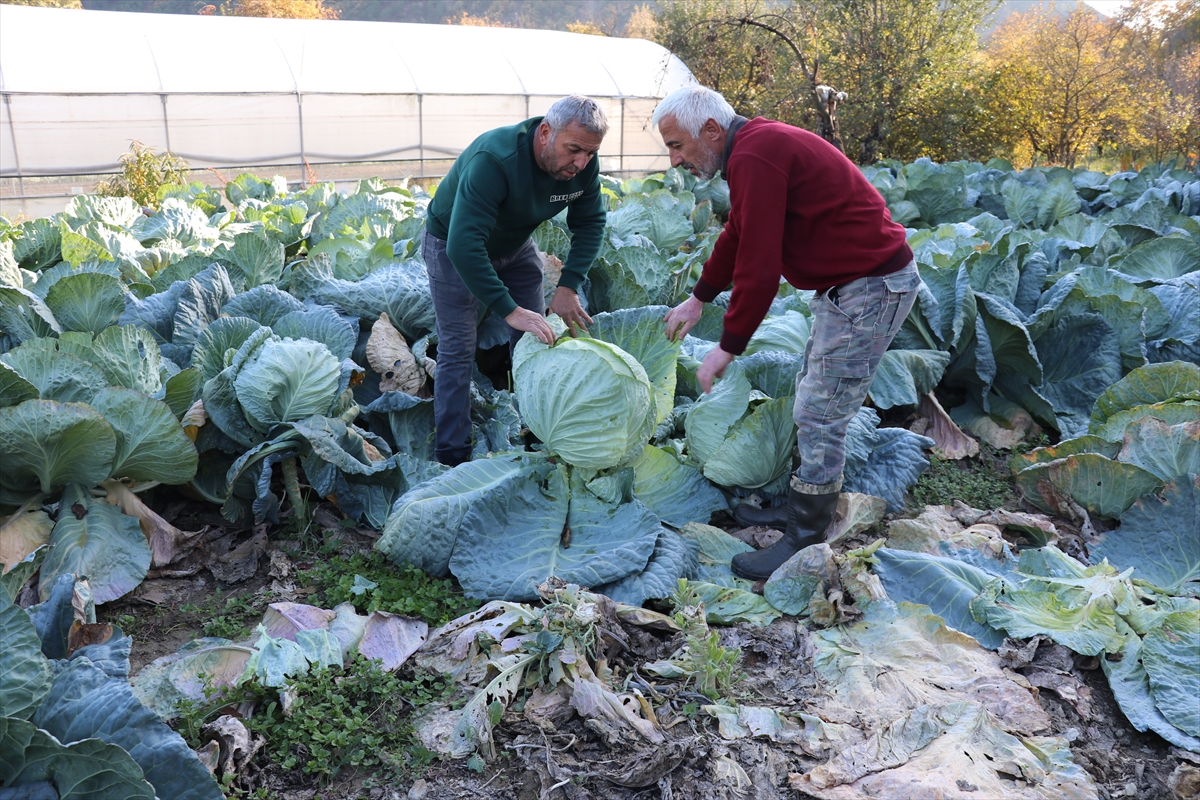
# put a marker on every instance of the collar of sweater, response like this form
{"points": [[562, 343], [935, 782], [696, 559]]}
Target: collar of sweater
{"points": [[731, 133]]}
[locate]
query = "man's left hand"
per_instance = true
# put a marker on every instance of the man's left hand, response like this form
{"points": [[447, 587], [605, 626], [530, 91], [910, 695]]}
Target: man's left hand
{"points": [[713, 367], [566, 305]]}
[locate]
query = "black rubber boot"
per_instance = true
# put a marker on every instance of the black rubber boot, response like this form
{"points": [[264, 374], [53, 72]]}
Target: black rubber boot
{"points": [[769, 517], [808, 517], [774, 517]]}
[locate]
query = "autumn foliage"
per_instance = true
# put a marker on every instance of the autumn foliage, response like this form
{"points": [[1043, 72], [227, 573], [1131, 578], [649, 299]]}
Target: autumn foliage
{"points": [[1079, 84], [1042, 87], [285, 9]]}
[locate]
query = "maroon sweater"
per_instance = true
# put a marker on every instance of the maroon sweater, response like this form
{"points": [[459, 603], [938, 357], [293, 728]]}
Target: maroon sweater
{"points": [[798, 209]]}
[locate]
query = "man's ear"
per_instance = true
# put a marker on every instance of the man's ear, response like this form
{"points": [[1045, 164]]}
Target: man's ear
{"points": [[543, 132], [712, 129]]}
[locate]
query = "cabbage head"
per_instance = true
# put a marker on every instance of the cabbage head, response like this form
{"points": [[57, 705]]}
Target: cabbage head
{"points": [[288, 380], [271, 380], [589, 401], [739, 436]]}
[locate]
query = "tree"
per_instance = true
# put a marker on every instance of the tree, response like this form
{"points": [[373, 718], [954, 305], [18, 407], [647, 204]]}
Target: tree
{"points": [[959, 116], [1180, 130], [285, 9], [906, 65], [466, 19], [589, 28], [1162, 57], [641, 24], [1066, 78], [46, 3], [755, 53], [908, 68]]}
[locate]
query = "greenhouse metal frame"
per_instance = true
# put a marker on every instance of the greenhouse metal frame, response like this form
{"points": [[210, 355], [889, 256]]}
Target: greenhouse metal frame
{"points": [[243, 93]]}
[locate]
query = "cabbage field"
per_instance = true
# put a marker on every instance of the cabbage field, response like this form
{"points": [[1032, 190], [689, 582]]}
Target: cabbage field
{"points": [[271, 352]]}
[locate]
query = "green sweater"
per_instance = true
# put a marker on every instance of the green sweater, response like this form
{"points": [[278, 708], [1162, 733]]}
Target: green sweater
{"points": [[494, 197]]}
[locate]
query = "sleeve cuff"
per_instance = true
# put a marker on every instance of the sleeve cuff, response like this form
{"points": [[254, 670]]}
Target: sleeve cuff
{"points": [[570, 280], [504, 306], [704, 291], [732, 343]]}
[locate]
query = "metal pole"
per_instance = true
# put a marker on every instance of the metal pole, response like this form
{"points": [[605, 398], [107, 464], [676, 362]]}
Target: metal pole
{"points": [[421, 132], [166, 124], [622, 159], [16, 155], [303, 159]]}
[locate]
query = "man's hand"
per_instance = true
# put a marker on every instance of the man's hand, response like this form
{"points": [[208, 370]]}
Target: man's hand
{"points": [[523, 319], [682, 318], [712, 367], [566, 305]]}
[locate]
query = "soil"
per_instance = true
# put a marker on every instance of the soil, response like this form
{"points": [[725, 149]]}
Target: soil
{"points": [[585, 760]]}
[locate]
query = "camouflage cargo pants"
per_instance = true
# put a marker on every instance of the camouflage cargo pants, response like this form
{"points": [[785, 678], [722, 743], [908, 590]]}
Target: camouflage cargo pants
{"points": [[853, 324]]}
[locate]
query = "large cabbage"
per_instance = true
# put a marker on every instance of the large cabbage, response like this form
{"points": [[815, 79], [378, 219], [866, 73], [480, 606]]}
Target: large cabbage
{"points": [[272, 380], [739, 437], [589, 401]]}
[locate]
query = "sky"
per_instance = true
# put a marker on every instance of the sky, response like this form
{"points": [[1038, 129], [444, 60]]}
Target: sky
{"points": [[1106, 7]]}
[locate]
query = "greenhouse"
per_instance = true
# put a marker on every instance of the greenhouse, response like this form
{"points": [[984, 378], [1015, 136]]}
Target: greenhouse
{"points": [[238, 93]]}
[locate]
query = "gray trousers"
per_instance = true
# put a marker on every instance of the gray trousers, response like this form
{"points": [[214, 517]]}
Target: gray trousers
{"points": [[853, 324], [458, 316]]}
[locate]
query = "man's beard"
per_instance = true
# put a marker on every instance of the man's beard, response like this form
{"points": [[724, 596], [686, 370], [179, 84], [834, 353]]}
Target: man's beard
{"points": [[706, 165], [553, 165]]}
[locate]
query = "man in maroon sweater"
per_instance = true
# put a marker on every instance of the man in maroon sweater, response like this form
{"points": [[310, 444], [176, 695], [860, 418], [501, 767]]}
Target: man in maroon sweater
{"points": [[800, 211]]}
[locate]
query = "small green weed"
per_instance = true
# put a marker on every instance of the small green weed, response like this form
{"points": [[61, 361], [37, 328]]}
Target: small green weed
{"points": [[298, 534], [1029, 445], [397, 590], [352, 716], [129, 625], [982, 482], [234, 618], [712, 668], [715, 667], [140, 622]]}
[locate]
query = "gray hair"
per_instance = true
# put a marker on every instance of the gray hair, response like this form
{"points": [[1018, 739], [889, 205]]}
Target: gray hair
{"points": [[578, 109], [692, 106]]}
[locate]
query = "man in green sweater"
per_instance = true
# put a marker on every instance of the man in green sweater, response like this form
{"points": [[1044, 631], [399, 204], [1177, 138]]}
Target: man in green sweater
{"points": [[479, 254]]}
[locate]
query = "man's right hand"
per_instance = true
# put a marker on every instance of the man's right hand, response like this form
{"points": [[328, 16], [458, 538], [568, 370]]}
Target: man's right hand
{"points": [[523, 319], [683, 317]]}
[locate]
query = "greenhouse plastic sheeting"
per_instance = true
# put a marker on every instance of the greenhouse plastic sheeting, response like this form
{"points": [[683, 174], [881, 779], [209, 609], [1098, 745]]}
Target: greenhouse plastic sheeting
{"points": [[231, 91]]}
